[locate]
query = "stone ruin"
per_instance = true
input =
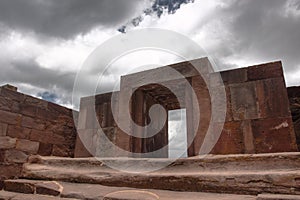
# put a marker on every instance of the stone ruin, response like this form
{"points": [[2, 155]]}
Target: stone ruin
{"points": [[258, 118], [44, 154]]}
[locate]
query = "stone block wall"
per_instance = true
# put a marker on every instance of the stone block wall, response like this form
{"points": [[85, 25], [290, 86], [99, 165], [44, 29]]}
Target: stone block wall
{"points": [[294, 97], [29, 125], [96, 112], [258, 114], [258, 118]]}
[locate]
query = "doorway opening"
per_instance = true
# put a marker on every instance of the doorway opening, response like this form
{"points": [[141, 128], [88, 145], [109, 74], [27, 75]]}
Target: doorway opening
{"points": [[177, 133]]}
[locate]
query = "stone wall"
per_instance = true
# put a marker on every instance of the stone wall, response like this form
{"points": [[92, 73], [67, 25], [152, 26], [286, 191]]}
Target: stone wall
{"points": [[29, 125], [258, 118], [294, 97]]}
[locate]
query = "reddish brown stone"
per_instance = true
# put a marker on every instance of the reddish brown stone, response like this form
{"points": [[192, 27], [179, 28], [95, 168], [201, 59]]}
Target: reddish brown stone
{"points": [[18, 132], [3, 129], [9, 117], [7, 142], [274, 135], [19, 186], [29, 100], [46, 114], [1, 184], [234, 76], [80, 150], [45, 149], [27, 146], [265, 71], [13, 95], [61, 151], [2, 156], [33, 123], [272, 98], [54, 108], [52, 188], [15, 156], [8, 171], [29, 110], [231, 140], [5, 103], [248, 137], [243, 99]]}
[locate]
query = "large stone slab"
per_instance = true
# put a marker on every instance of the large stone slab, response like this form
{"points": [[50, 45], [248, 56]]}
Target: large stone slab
{"points": [[242, 174]]}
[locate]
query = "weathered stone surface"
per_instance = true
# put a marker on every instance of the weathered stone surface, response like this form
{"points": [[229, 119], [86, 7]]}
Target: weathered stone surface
{"points": [[243, 174], [21, 186], [29, 110], [45, 149], [33, 123], [61, 150], [294, 98], [277, 197], [52, 188], [243, 99], [231, 140], [272, 101], [9, 118], [18, 196], [265, 71], [7, 142], [15, 156], [27, 146], [46, 136], [234, 76], [95, 192], [3, 129], [18, 132], [13, 95], [10, 170], [273, 135]]}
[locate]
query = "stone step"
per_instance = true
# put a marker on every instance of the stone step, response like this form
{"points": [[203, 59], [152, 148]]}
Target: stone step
{"points": [[277, 197], [4, 195], [238, 174], [95, 192]]}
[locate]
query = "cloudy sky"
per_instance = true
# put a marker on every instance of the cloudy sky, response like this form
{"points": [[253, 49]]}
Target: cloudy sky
{"points": [[43, 43]]}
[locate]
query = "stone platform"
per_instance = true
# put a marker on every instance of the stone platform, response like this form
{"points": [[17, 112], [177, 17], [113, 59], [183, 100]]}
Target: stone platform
{"points": [[252, 176]]}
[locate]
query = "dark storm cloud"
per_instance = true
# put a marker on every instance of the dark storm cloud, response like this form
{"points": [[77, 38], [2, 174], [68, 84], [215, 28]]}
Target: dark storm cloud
{"points": [[30, 73], [64, 18], [264, 30]]}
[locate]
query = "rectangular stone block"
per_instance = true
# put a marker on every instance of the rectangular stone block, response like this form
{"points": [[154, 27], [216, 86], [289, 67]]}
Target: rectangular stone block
{"points": [[28, 110], [3, 129], [8, 171], [46, 137], [272, 98], [7, 142], [46, 114], [248, 137], [29, 100], [33, 123], [9, 117], [13, 95], [274, 135], [234, 76], [265, 71], [19, 186], [15, 156], [18, 132], [55, 108], [231, 140], [27, 146], [62, 150], [45, 149], [243, 100]]}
